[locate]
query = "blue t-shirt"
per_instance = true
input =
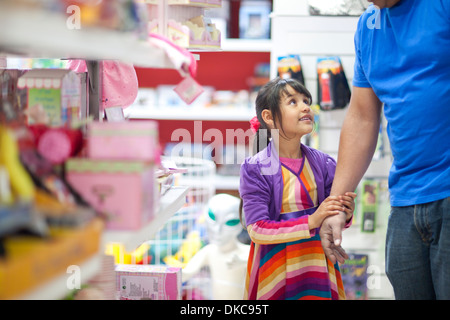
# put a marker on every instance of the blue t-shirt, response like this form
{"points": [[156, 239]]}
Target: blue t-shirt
{"points": [[403, 54]]}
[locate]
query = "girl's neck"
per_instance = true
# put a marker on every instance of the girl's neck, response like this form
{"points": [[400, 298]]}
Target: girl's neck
{"points": [[290, 148]]}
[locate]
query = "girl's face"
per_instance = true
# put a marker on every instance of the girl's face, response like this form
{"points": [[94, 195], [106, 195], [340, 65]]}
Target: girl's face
{"points": [[297, 116]]}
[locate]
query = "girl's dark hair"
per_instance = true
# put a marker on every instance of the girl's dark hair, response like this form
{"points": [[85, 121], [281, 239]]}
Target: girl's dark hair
{"points": [[269, 97]]}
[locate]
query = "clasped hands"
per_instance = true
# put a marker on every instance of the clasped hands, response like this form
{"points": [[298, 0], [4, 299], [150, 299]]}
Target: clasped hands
{"points": [[332, 226]]}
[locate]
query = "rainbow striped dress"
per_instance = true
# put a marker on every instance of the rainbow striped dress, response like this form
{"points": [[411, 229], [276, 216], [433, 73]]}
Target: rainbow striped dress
{"points": [[286, 260]]}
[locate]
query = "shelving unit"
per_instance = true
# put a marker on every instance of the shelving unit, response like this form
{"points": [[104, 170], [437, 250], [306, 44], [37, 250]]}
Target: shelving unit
{"points": [[33, 33], [57, 287], [205, 114], [247, 45], [29, 37]]}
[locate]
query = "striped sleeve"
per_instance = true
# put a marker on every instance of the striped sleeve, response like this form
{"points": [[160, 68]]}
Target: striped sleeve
{"points": [[274, 232]]}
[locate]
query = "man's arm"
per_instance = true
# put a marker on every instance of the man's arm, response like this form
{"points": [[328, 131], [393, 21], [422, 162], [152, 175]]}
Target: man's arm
{"points": [[358, 140]]}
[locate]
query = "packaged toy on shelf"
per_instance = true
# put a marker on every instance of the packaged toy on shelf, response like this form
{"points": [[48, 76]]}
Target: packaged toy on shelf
{"points": [[119, 82], [124, 192], [56, 144], [117, 177], [125, 140], [148, 282], [56, 91], [333, 88]]}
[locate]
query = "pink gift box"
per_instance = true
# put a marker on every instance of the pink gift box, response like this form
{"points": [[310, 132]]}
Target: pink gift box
{"points": [[147, 282], [124, 192], [124, 140]]}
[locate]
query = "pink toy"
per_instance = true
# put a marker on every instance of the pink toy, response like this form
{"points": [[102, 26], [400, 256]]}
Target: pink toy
{"points": [[124, 192], [58, 144], [125, 140], [120, 83], [147, 282]]}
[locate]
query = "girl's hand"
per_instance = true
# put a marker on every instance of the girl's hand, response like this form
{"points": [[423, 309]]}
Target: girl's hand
{"points": [[348, 200], [329, 207]]}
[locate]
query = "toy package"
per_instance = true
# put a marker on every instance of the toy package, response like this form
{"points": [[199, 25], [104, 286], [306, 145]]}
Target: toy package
{"points": [[147, 282], [332, 85], [369, 205], [123, 140], [124, 192], [56, 93], [290, 67], [354, 276]]}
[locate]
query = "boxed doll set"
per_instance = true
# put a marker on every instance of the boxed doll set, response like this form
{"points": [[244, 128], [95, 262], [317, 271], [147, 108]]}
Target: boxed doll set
{"points": [[147, 282], [117, 177]]}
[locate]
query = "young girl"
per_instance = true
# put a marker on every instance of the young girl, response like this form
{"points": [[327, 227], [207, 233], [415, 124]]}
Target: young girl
{"points": [[285, 192]]}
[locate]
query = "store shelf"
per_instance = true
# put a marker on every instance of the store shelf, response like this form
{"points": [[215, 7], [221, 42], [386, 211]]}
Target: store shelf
{"points": [[175, 113], [246, 45], [170, 203], [57, 288], [41, 34]]}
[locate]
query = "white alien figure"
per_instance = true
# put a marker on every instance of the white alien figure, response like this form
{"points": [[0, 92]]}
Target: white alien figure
{"points": [[225, 256]]}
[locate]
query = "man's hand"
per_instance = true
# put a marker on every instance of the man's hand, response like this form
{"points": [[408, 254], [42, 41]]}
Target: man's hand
{"points": [[331, 237], [330, 206]]}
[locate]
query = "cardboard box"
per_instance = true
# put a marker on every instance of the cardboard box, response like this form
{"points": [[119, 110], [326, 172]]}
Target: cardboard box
{"points": [[32, 261], [125, 192], [124, 140], [58, 91], [147, 282]]}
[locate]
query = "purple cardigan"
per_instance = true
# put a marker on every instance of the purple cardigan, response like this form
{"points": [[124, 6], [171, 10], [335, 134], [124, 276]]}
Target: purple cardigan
{"points": [[261, 184]]}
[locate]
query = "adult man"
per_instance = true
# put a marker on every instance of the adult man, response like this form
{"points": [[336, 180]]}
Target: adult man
{"points": [[402, 50]]}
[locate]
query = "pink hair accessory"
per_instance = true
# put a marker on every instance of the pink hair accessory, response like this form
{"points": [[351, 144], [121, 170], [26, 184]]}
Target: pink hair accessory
{"points": [[254, 124]]}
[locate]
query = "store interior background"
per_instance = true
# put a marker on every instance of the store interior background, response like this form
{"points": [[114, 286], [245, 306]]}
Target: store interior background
{"points": [[234, 73]]}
